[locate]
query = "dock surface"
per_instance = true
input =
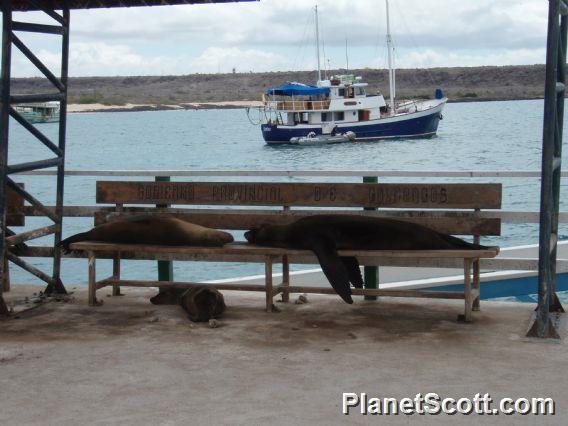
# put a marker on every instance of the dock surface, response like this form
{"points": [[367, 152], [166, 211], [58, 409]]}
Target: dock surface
{"points": [[131, 362]]}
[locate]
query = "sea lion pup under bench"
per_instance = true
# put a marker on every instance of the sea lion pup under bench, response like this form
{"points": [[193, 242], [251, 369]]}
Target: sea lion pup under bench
{"points": [[201, 303], [325, 234], [158, 230]]}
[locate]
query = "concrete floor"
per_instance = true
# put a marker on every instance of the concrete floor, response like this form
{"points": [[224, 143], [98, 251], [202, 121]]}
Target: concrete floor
{"points": [[130, 362]]}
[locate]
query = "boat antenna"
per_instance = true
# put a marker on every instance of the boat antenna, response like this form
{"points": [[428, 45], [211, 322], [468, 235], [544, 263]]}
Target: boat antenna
{"points": [[390, 48], [317, 42], [346, 56]]}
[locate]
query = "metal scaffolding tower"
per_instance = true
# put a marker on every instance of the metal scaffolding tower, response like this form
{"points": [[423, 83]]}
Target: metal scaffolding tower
{"points": [[549, 307], [9, 238]]}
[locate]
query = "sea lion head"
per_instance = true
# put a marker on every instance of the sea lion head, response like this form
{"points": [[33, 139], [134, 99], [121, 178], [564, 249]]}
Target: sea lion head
{"points": [[261, 234], [203, 303]]}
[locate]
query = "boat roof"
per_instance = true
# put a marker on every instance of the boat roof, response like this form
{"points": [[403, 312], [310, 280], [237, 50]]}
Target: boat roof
{"points": [[291, 89], [25, 5]]}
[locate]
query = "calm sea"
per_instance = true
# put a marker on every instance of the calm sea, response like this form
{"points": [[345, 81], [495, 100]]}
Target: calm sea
{"points": [[472, 136]]}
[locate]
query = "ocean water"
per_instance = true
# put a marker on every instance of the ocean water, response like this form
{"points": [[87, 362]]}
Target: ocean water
{"points": [[472, 136]]}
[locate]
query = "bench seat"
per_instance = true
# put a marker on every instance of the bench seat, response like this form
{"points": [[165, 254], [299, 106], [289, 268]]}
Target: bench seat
{"points": [[240, 248]]}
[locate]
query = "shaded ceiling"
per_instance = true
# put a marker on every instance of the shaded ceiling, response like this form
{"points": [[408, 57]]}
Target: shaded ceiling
{"points": [[24, 5]]}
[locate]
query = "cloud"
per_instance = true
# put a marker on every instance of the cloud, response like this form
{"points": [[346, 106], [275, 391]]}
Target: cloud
{"points": [[279, 35]]}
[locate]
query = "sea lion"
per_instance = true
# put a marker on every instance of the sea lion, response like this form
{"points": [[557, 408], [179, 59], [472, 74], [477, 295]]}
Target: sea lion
{"points": [[201, 303], [160, 230], [325, 234]]}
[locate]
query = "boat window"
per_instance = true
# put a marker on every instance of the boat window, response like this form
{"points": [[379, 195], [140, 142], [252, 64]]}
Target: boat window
{"points": [[342, 92], [325, 116], [339, 116], [359, 91]]}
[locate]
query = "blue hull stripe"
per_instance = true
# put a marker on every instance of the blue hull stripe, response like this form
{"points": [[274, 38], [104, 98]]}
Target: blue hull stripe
{"points": [[420, 126]]}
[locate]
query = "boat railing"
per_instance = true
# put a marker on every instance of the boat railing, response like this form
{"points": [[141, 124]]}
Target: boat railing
{"points": [[298, 105], [507, 216]]}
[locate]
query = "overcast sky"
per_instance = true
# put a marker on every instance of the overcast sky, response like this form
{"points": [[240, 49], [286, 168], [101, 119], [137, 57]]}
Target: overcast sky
{"points": [[278, 35]]}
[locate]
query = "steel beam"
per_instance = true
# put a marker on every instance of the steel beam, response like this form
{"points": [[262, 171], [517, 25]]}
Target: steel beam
{"points": [[34, 165], [37, 28], [34, 131], [4, 122], [34, 60], [40, 97], [543, 326], [57, 286]]}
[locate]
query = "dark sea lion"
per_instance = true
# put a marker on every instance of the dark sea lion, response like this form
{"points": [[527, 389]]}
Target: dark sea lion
{"points": [[160, 230], [201, 303], [325, 234]]}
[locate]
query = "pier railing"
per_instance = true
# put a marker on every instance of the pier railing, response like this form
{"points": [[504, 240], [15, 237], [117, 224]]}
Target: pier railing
{"points": [[506, 216]]}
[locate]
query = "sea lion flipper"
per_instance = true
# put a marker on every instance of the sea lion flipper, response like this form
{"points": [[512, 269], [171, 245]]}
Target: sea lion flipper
{"points": [[352, 266], [333, 267]]}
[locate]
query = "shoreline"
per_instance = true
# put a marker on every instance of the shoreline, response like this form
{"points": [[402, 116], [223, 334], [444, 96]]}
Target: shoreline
{"points": [[96, 107]]}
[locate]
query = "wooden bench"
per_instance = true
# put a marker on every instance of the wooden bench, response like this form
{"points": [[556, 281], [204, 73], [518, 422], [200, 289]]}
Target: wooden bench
{"points": [[449, 208]]}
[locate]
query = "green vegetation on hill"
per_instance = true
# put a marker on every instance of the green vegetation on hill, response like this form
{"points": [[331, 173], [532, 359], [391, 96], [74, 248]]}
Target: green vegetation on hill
{"points": [[463, 83]]}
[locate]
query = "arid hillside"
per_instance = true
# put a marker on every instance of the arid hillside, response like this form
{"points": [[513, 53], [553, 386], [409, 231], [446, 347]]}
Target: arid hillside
{"points": [[459, 84]]}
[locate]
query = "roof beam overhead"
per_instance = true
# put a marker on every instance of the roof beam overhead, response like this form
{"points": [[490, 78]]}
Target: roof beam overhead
{"points": [[50, 5]]}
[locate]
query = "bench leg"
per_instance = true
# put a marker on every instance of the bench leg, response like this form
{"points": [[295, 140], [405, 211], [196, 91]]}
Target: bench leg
{"points": [[6, 277], [476, 284], [467, 290], [92, 279], [285, 279], [116, 275], [268, 282]]}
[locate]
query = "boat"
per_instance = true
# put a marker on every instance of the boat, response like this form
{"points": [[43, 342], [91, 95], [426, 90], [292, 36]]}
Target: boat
{"points": [[295, 110], [314, 139], [40, 112]]}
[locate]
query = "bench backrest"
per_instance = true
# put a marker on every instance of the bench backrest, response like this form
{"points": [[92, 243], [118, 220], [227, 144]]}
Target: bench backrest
{"points": [[450, 208]]}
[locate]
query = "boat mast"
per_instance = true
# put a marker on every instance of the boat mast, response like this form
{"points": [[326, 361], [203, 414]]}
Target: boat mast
{"points": [[317, 43], [392, 78]]}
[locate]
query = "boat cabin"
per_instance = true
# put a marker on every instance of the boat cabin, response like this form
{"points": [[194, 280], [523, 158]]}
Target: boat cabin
{"points": [[341, 99]]}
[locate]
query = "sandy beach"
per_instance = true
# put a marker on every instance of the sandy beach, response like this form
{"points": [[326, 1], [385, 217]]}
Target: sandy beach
{"points": [[95, 107]]}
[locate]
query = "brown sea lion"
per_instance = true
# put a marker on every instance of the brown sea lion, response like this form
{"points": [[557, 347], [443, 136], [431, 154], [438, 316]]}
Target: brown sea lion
{"points": [[325, 234], [159, 230], [201, 303]]}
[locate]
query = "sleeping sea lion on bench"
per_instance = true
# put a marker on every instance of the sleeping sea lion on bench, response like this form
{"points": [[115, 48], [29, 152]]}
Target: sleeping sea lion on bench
{"points": [[201, 303], [155, 230], [326, 234]]}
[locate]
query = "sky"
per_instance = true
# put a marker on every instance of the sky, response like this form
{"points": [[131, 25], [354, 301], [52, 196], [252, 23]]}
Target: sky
{"points": [[278, 35]]}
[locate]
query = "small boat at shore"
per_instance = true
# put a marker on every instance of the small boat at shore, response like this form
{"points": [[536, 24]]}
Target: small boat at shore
{"points": [[314, 139], [295, 110], [40, 112]]}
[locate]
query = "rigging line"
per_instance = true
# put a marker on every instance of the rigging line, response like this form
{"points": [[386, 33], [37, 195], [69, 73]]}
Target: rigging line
{"points": [[303, 42], [413, 41], [380, 44], [322, 38]]}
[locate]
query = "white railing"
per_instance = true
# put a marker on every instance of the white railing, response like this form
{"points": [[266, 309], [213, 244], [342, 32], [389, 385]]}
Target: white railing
{"points": [[298, 173]]}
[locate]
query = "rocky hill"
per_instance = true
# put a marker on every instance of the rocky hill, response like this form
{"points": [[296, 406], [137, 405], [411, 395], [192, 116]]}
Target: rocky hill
{"points": [[459, 84]]}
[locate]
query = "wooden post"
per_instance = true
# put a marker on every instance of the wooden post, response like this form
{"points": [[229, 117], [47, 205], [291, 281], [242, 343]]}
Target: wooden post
{"points": [[6, 276], [476, 279], [371, 273], [467, 290], [165, 267], [285, 279], [268, 282], [92, 279], [116, 274]]}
